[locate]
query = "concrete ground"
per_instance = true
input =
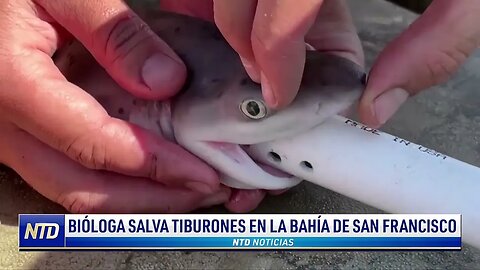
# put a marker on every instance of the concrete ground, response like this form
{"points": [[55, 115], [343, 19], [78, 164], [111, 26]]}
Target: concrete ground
{"points": [[446, 118]]}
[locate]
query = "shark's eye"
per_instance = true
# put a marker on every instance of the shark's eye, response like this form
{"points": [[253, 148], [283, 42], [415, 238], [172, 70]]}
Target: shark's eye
{"points": [[253, 109]]}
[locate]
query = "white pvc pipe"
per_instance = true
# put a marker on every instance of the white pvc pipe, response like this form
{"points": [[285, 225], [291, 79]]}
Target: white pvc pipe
{"points": [[381, 170]]}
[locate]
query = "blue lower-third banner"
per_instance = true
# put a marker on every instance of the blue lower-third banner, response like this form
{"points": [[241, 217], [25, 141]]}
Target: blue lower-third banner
{"points": [[264, 242], [241, 232]]}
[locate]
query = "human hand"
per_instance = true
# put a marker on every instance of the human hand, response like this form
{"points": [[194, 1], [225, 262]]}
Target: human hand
{"points": [[270, 37], [62, 142], [426, 54]]}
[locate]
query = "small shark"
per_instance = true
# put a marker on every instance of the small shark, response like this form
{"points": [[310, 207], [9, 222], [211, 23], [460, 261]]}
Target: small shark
{"points": [[220, 110]]}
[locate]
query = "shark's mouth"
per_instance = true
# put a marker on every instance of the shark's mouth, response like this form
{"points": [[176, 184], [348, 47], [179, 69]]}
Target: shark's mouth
{"points": [[273, 171], [237, 153], [243, 171], [237, 168]]}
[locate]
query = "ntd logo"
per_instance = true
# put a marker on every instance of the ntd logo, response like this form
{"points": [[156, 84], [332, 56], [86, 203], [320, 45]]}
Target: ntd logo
{"points": [[41, 231]]}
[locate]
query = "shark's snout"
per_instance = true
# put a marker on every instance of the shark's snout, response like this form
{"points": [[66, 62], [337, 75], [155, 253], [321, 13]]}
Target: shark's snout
{"points": [[221, 110]]}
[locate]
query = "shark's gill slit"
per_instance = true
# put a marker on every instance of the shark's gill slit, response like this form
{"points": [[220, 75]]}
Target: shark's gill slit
{"points": [[274, 156], [306, 165]]}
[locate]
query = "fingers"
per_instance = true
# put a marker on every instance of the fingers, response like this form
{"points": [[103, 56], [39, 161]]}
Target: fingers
{"points": [[235, 20], [242, 201], [66, 118], [334, 32], [269, 36], [81, 190], [427, 53], [278, 42], [123, 44]]}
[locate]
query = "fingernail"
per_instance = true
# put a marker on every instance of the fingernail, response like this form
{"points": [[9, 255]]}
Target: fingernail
{"points": [[158, 71], [251, 70], [199, 187], [268, 92], [215, 199], [388, 103]]}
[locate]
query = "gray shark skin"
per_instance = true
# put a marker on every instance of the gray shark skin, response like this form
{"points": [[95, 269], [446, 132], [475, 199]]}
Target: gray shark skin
{"points": [[207, 117]]}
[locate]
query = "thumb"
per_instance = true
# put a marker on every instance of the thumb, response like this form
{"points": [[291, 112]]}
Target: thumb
{"points": [[426, 54], [133, 55]]}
